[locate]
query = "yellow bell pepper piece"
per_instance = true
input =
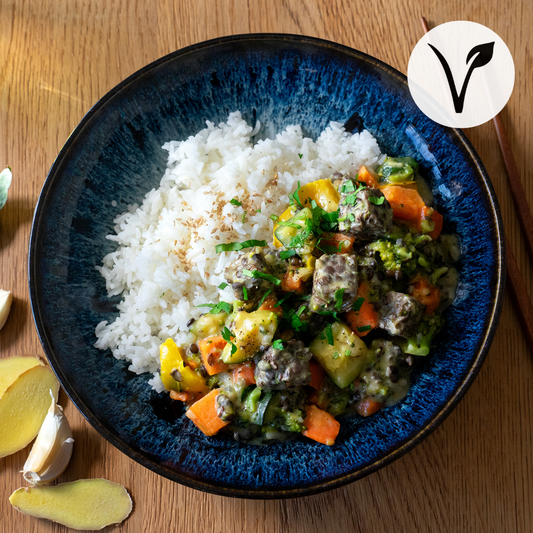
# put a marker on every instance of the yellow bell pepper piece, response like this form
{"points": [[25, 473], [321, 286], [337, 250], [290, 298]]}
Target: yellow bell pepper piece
{"points": [[171, 359], [288, 213], [321, 191]]}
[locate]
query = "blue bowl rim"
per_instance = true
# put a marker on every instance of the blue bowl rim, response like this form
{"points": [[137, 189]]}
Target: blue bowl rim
{"points": [[431, 424]]}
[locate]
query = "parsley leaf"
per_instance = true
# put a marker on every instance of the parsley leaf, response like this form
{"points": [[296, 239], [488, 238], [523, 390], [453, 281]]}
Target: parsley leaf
{"points": [[236, 246], [226, 335], [300, 156], [277, 344], [375, 200], [285, 254], [223, 285], [339, 295], [262, 275], [245, 293], [347, 187], [235, 202], [357, 304], [274, 217], [294, 198], [329, 335], [364, 328], [261, 301]]}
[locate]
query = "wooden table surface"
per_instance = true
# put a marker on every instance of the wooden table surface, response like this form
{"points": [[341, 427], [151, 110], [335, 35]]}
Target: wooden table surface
{"points": [[58, 57]]}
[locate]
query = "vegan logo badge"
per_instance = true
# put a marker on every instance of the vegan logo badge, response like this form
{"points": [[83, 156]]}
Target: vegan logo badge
{"points": [[461, 74]]}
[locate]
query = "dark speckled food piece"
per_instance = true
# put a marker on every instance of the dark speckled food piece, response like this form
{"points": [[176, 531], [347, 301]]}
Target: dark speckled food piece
{"points": [[284, 369], [362, 215], [255, 287], [399, 314], [115, 155], [334, 283]]}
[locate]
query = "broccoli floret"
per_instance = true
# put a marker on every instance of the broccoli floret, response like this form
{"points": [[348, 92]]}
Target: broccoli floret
{"points": [[397, 170], [285, 412], [428, 328]]}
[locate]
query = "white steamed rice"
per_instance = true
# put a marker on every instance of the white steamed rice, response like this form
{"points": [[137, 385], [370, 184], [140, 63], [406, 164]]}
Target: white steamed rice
{"points": [[165, 263]]}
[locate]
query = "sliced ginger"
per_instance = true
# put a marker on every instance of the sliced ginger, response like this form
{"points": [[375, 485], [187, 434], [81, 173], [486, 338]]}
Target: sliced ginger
{"points": [[87, 504], [12, 367], [23, 407]]}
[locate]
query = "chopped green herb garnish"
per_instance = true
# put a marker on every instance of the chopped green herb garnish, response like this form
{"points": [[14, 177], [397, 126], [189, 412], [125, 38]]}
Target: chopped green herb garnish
{"points": [[364, 328], [235, 202], [258, 210], [262, 275], [236, 246], [301, 310], [339, 295], [335, 355], [223, 285], [357, 304], [348, 187], [244, 216], [375, 200], [226, 335], [245, 293], [219, 307], [285, 254], [289, 224], [294, 198], [351, 199], [347, 353], [261, 301], [274, 217], [329, 335], [300, 156], [277, 344]]}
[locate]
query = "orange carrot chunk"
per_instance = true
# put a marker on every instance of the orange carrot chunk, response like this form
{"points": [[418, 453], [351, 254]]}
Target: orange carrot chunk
{"points": [[204, 414], [292, 283], [321, 426], [426, 294], [367, 177], [368, 407], [365, 318], [244, 372], [211, 350], [406, 203], [336, 243], [317, 374], [271, 304]]}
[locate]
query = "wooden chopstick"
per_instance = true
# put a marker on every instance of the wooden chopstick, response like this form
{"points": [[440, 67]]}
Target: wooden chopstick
{"points": [[517, 190], [514, 278]]}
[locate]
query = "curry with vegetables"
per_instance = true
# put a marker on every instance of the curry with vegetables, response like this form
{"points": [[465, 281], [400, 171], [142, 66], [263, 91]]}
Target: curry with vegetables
{"points": [[327, 321]]}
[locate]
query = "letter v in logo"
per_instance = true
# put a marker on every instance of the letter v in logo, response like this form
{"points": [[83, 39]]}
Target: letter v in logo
{"points": [[455, 92], [484, 55]]}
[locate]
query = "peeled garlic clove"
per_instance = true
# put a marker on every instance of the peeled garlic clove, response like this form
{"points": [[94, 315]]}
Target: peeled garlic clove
{"points": [[6, 299], [52, 449]]}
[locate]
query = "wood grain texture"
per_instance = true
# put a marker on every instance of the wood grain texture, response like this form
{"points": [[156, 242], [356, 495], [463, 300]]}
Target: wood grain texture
{"points": [[475, 472]]}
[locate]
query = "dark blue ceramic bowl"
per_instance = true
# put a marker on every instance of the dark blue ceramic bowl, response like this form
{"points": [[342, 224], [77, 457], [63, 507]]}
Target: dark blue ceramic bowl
{"points": [[115, 154]]}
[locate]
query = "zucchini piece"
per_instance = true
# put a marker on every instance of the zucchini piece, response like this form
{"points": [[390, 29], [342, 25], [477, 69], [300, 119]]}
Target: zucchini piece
{"points": [[345, 359]]}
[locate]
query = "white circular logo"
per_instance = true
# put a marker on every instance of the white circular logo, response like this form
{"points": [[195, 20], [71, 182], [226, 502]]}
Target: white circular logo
{"points": [[461, 74]]}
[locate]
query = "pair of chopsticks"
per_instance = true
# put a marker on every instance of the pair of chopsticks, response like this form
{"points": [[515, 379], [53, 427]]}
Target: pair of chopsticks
{"points": [[514, 278]]}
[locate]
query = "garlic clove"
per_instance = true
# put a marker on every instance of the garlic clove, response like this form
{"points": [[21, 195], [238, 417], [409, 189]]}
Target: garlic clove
{"points": [[52, 449], [6, 299]]}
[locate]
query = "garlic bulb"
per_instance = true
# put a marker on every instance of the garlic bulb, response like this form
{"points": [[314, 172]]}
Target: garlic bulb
{"points": [[52, 449]]}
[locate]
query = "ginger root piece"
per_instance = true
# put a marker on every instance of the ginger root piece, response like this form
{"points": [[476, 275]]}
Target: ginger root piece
{"points": [[87, 504], [23, 407], [12, 367]]}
